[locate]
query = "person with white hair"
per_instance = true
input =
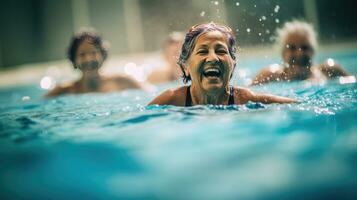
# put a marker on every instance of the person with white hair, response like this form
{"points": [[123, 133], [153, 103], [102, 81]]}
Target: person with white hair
{"points": [[297, 42]]}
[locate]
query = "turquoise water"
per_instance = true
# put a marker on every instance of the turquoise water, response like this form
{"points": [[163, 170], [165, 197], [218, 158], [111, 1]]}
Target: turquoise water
{"points": [[111, 146]]}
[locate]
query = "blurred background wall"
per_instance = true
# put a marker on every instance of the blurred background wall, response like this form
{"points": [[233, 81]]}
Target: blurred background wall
{"points": [[39, 30]]}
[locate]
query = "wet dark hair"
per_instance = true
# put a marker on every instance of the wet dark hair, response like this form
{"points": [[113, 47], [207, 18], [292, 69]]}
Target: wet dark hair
{"points": [[89, 35], [190, 42]]}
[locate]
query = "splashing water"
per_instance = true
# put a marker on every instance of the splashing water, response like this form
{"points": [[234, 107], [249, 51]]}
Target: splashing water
{"points": [[276, 8], [113, 146]]}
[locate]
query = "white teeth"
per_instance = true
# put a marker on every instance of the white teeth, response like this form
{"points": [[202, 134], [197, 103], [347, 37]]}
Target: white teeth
{"points": [[212, 70]]}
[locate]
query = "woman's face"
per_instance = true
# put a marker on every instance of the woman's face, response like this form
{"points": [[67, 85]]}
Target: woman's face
{"points": [[210, 65], [88, 57]]}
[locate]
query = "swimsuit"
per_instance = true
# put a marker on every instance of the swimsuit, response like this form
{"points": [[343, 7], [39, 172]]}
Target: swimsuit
{"points": [[189, 100]]}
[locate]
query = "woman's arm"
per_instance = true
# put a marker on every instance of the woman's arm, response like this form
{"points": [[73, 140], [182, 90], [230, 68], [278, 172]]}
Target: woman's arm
{"points": [[268, 98], [247, 95], [59, 90]]}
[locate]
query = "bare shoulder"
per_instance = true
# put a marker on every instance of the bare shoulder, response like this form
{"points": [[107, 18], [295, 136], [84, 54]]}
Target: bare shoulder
{"points": [[243, 95], [268, 74], [174, 97], [60, 90], [331, 69], [124, 80]]}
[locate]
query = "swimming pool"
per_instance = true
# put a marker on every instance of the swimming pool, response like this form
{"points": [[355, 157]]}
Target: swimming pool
{"points": [[111, 146]]}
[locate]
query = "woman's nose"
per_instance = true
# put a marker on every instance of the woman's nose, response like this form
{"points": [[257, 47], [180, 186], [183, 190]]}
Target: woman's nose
{"points": [[300, 52], [212, 56], [88, 57]]}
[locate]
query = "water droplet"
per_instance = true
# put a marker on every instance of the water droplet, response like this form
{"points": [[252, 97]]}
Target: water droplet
{"points": [[330, 62], [277, 21], [26, 98], [255, 6], [47, 82], [237, 3], [216, 3], [276, 9], [202, 13], [248, 30], [260, 34], [264, 18], [237, 30], [267, 31]]}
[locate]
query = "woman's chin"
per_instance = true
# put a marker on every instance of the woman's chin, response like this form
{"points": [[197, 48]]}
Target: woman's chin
{"points": [[213, 87]]}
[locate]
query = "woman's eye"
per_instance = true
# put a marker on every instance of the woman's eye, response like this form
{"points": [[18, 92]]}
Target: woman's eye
{"points": [[221, 51], [202, 52]]}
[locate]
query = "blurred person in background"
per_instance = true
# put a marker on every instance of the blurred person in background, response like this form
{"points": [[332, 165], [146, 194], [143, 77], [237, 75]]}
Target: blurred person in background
{"points": [[87, 52], [170, 71], [297, 42], [207, 61]]}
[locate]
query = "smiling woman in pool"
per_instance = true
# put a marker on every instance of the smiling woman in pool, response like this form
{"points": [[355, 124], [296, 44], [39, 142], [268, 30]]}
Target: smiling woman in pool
{"points": [[207, 60]]}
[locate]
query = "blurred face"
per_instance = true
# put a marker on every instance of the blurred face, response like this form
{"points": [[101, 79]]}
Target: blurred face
{"points": [[210, 64], [88, 57], [298, 51], [172, 52]]}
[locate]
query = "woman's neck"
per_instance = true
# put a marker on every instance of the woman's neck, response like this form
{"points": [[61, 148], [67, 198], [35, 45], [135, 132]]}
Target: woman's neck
{"points": [[90, 81], [201, 97], [298, 72]]}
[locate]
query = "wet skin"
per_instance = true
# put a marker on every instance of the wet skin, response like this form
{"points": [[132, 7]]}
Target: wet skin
{"points": [[297, 56], [210, 67], [88, 60]]}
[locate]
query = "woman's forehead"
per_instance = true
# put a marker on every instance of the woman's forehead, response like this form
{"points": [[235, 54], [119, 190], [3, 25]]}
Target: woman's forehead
{"points": [[211, 37], [85, 45], [297, 39]]}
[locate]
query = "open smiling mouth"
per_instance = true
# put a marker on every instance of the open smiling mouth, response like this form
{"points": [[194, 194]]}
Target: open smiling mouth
{"points": [[212, 73]]}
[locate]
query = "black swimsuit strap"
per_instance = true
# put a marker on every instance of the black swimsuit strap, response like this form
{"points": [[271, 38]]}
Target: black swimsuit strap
{"points": [[189, 100], [188, 97], [231, 96]]}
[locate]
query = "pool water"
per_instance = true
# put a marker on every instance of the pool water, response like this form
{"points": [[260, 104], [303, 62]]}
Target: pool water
{"points": [[113, 146]]}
